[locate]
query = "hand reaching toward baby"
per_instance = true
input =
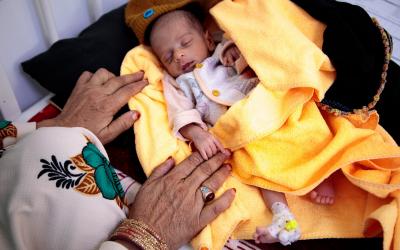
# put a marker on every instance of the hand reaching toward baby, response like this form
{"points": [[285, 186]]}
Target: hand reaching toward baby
{"points": [[230, 55], [204, 141]]}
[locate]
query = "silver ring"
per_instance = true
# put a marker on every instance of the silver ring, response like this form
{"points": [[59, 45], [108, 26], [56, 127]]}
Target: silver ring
{"points": [[207, 194]]}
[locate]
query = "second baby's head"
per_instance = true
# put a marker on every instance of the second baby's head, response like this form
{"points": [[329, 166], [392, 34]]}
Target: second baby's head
{"points": [[180, 42]]}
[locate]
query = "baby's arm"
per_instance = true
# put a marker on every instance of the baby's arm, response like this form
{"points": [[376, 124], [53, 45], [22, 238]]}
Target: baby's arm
{"points": [[204, 141], [180, 107], [186, 120], [230, 55]]}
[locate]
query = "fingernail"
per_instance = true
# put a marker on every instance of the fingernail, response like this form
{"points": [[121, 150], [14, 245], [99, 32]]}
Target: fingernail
{"points": [[228, 166], [228, 152], [234, 190], [170, 158], [136, 115]]}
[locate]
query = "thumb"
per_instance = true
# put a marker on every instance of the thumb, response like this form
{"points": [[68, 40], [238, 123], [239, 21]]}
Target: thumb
{"points": [[116, 127]]}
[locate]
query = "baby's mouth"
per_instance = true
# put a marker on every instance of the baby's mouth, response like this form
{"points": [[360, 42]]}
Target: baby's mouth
{"points": [[187, 67]]}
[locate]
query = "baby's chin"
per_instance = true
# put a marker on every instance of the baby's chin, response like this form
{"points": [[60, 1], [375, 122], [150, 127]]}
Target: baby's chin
{"points": [[183, 70], [189, 69]]}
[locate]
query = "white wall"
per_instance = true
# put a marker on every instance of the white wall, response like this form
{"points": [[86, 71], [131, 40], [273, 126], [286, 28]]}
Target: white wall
{"points": [[387, 12], [21, 37]]}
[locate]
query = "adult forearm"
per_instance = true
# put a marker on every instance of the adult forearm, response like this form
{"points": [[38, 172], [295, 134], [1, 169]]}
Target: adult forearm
{"points": [[48, 123]]}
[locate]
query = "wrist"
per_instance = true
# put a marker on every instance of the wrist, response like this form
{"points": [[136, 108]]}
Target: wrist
{"points": [[128, 244], [46, 123], [135, 234], [53, 122], [190, 131]]}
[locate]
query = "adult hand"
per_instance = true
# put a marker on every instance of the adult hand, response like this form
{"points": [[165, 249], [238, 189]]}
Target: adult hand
{"points": [[95, 100], [171, 203]]}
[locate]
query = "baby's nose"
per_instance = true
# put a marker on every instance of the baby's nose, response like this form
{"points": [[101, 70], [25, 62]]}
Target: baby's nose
{"points": [[179, 55]]}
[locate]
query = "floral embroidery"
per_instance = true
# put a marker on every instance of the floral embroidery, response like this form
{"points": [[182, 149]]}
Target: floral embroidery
{"points": [[4, 124], [89, 173], [105, 176], [62, 174], [88, 184], [7, 129]]}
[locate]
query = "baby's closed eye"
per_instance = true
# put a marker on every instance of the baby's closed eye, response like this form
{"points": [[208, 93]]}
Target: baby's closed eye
{"points": [[168, 58], [186, 42]]}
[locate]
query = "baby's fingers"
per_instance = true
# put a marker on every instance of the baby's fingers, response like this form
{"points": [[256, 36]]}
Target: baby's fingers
{"points": [[214, 147], [219, 145], [225, 60], [236, 53], [203, 152], [209, 150], [230, 59]]}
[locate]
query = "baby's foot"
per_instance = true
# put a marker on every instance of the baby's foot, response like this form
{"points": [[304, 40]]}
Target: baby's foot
{"points": [[283, 229], [324, 194], [263, 235]]}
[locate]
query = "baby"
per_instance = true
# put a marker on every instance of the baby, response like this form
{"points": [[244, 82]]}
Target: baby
{"points": [[206, 85]]}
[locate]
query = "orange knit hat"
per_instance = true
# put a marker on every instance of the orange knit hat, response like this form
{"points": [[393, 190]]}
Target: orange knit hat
{"points": [[139, 14]]}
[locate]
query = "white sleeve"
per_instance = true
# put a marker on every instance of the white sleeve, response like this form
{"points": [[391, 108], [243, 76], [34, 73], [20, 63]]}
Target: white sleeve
{"points": [[112, 245], [11, 132]]}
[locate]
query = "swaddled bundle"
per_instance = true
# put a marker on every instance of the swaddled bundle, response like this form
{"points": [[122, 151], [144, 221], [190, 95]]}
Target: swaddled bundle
{"points": [[281, 140]]}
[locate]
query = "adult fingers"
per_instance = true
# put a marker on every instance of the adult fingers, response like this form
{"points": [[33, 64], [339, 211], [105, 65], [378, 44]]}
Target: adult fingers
{"points": [[123, 94], [118, 126], [162, 169], [218, 178], [188, 165], [84, 77], [101, 76], [82, 80], [206, 169], [212, 210], [117, 82]]}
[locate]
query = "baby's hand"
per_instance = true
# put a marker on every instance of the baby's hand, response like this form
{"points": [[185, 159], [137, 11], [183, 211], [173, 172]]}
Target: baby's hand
{"points": [[230, 55], [207, 144]]}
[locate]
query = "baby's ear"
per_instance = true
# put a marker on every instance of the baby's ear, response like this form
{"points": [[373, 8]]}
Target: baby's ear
{"points": [[209, 41]]}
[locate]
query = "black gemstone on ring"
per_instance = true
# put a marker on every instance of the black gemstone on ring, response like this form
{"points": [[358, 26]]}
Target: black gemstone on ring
{"points": [[210, 197]]}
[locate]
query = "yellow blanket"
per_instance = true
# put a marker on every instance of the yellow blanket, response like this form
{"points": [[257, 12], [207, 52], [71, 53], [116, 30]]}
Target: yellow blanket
{"points": [[281, 140]]}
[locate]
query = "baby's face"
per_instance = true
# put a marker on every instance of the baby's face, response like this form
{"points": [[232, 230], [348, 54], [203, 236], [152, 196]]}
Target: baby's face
{"points": [[180, 46]]}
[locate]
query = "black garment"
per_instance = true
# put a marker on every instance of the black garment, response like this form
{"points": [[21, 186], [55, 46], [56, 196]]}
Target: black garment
{"points": [[102, 44], [354, 46]]}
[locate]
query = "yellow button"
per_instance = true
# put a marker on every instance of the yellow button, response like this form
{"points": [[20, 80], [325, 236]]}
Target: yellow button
{"points": [[199, 65], [215, 92]]}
